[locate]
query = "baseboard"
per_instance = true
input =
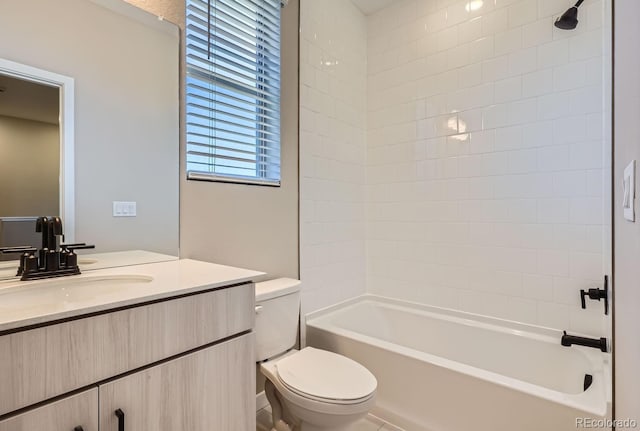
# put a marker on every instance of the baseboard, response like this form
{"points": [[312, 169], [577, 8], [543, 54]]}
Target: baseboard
{"points": [[261, 401]]}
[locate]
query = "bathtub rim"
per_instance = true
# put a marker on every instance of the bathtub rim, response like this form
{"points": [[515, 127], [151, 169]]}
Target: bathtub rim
{"points": [[591, 401]]}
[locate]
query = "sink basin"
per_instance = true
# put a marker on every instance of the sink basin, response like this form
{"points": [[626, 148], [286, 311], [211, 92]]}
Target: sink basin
{"points": [[59, 294]]}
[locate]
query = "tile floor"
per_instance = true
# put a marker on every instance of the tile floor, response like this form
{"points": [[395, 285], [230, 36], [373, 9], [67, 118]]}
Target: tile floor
{"points": [[370, 423]]}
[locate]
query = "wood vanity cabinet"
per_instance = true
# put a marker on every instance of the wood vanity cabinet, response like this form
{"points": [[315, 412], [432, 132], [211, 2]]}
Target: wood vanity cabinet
{"points": [[179, 364], [73, 413]]}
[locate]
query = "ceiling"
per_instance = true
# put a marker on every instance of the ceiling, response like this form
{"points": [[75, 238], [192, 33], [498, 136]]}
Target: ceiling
{"points": [[28, 100], [369, 7]]}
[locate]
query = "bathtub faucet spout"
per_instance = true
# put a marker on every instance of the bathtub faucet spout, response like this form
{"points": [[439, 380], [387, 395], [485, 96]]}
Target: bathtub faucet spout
{"points": [[568, 340]]}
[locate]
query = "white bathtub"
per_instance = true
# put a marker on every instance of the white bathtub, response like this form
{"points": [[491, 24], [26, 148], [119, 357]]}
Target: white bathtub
{"points": [[442, 370]]}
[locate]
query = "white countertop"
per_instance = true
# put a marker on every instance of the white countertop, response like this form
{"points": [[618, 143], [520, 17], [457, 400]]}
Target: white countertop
{"points": [[25, 303]]}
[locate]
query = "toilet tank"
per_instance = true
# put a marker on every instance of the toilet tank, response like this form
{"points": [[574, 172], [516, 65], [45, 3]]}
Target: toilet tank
{"points": [[277, 316]]}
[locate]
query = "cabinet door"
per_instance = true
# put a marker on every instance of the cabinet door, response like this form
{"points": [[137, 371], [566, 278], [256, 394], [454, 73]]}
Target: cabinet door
{"points": [[80, 410], [210, 390]]}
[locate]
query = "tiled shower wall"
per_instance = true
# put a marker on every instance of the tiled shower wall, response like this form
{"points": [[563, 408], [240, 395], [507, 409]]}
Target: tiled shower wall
{"points": [[488, 157], [333, 75]]}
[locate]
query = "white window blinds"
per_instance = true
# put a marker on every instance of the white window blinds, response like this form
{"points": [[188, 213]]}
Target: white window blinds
{"points": [[233, 90]]}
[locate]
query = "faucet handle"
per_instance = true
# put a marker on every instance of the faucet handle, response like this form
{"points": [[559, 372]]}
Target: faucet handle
{"points": [[597, 294], [17, 249], [82, 246], [64, 246], [26, 251]]}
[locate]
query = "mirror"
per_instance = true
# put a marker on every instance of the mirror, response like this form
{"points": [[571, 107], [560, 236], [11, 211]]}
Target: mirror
{"points": [[112, 72]]}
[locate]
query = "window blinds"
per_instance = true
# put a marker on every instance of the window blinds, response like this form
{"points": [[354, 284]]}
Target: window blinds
{"points": [[233, 90]]}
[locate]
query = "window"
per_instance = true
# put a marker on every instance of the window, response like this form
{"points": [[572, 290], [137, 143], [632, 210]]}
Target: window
{"points": [[233, 90]]}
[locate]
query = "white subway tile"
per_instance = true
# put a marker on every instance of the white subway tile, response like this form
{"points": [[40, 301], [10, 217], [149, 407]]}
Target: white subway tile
{"points": [[470, 30], [508, 90], [523, 12], [551, 8], [495, 69], [538, 287], [569, 76], [586, 155], [537, 134], [523, 61], [553, 54], [586, 211], [508, 41], [495, 22], [523, 161], [508, 138], [569, 130], [447, 38], [481, 49], [470, 120], [457, 13], [553, 211], [586, 45], [595, 13], [555, 158], [552, 106], [537, 33], [495, 116], [482, 141], [553, 262], [586, 265], [458, 56], [522, 111]]}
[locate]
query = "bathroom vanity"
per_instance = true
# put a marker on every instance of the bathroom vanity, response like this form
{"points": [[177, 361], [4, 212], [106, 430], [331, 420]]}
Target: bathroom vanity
{"points": [[164, 346]]}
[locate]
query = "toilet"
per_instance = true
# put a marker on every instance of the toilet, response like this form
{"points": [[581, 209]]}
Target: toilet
{"points": [[308, 389]]}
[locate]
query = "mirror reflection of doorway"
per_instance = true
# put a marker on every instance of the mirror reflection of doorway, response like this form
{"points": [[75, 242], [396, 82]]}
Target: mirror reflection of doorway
{"points": [[29, 158]]}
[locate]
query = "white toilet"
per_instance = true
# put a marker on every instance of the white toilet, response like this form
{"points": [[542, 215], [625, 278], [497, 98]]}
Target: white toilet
{"points": [[309, 389]]}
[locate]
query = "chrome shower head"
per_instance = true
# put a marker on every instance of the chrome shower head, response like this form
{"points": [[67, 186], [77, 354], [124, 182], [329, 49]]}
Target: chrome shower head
{"points": [[569, 19]]}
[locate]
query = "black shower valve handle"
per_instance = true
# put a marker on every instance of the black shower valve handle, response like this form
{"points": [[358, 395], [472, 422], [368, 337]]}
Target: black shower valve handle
{"points": [[597, 294]]}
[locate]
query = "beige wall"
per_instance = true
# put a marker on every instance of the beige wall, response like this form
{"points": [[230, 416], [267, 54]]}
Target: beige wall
{"points": [[248, 226], [251, 226], [126, 112], [627, 235], [29, 167]]}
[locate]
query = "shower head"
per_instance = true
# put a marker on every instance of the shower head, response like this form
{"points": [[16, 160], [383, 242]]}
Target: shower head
{"points": [[569, 19]]}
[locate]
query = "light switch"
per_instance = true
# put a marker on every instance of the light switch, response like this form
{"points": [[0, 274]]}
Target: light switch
{"points": [[629, 191], [124, 209]]}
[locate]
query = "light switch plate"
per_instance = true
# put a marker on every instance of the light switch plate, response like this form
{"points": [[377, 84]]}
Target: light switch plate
{"points": [[629, 191], [124, 209]]}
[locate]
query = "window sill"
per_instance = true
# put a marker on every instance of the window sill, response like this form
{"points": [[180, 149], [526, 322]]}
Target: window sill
{"points": [[250, 181]]}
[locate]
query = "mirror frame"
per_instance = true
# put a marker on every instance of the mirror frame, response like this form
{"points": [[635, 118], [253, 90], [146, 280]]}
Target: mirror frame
{"points": [[66, 126]]}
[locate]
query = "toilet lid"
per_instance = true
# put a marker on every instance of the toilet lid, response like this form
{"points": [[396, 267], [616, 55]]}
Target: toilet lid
{"points": [[326, 375]]}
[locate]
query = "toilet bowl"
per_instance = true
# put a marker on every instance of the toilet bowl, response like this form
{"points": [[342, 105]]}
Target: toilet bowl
{"points": [[316, 390], [308, 389]]}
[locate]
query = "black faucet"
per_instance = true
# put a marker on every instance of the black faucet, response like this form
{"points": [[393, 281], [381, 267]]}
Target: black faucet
{"points": [[53, 259], [568, 340]]}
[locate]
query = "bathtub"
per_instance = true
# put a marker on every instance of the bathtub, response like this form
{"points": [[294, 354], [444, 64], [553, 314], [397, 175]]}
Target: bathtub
{"points": [[443, 370]]}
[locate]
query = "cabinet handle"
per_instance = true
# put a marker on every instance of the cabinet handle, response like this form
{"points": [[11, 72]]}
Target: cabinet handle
{"points": [[78, 429], [120, 414]]}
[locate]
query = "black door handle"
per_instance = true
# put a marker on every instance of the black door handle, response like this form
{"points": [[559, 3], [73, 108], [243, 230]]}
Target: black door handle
{"points": [[78, 429], [120, 414]]}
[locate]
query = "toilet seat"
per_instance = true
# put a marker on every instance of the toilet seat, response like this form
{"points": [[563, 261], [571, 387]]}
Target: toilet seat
{"points": [[326, 377]]}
